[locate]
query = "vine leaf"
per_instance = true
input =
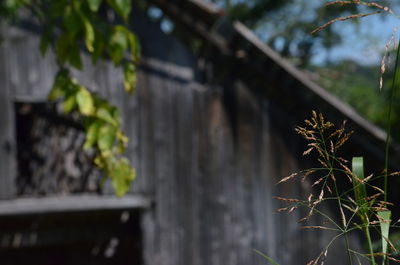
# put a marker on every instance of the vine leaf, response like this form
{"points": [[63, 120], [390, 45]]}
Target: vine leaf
{"points": [[85, 101], [94, 5]]}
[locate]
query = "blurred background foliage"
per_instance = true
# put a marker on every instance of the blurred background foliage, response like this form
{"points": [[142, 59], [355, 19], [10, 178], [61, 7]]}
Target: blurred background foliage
{"points": [[286, 25]]}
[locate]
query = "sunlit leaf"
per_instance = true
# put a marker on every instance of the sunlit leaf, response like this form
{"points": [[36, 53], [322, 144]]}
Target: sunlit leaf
{"points": [[116, 114], [104, 114], [60, 86], [134, 45], [92, 133], [106, 137], [118, 44], [122, 175], [89, 33], [55, 93], [94, 5], [122, 141], [85, 101], [69, 103], [99, 161], [129, 77]]}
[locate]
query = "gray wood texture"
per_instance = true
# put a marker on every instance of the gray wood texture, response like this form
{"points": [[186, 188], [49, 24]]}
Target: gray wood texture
{"points": [[7, 135]]}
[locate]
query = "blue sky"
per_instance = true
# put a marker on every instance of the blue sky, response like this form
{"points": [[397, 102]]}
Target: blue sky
{"points": [[364, 42]]}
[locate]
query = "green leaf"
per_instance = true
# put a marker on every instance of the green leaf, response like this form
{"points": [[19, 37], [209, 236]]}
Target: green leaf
{"points": [[92, 133], [122, 141], [56, 9], [72, 22], [360, 191], [270, 260], [85, 101], [106, 137], [74, 56], [99, 161], [89, 33], [122, 175], [104, 114], [12, 6], [118, 44], [122, 7], [116, 114], [60, 86], [129, 77], [94, 5], [69, 103], [385, 225], [55, 93], [68, 50], [62, 47], [135, 46], [98, 46]]}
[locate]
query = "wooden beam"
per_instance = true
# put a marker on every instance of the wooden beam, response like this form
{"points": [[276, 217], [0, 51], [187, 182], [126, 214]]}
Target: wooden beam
{"points": [[77, 203], [295, 73], [197, 23], [207, 7]]}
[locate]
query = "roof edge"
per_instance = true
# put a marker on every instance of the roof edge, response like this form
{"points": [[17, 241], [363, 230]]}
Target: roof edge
{"points": [[341, 106]]}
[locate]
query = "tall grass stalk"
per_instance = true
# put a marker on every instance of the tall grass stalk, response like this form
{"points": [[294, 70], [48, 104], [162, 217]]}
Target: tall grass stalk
{"points": [[389, 121], [362, 208], [371, 209]]}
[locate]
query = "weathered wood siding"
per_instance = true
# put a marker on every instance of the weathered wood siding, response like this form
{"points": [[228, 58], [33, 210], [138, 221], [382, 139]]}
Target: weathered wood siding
{"points": [[210, 169], [7, 135], [213, 193]]}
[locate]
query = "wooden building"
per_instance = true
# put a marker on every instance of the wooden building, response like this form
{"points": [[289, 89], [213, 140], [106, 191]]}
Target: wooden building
{"points": [[211, 132]]}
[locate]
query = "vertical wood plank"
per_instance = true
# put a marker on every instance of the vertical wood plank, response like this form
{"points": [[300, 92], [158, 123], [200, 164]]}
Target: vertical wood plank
{"points": [[7, 123]]}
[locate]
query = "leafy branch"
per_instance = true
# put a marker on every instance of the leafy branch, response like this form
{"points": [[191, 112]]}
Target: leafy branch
{"points": [[98, 28]]}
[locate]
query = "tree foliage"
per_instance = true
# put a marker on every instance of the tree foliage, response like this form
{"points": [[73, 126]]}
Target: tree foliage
{"points": [[99, 28], [286, 24]]}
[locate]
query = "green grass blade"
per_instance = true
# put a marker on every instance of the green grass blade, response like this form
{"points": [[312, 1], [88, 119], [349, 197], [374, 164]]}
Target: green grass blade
{"points": [[385, 215], [270, 260], [360, 191]]}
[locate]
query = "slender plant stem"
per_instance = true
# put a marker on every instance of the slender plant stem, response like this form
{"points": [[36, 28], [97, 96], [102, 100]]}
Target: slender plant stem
{"points": [[346, 239], [348, 249], [368, 236], [389, 125], [330, 164]]}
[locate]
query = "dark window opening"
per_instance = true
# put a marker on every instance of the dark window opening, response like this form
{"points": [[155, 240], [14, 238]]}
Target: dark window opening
{"points": [[49, 154], [85, 238]]}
